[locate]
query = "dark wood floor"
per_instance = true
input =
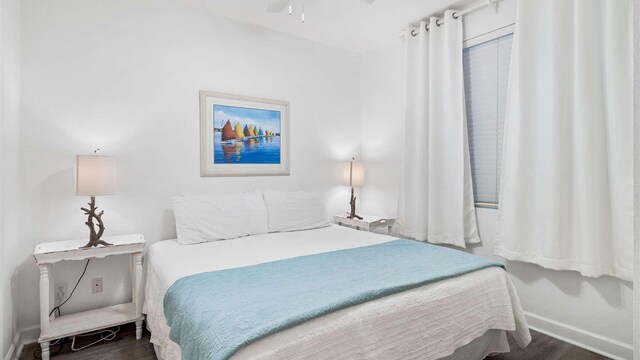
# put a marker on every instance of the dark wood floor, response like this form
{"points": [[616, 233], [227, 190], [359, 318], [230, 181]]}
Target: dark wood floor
{"points": [[126, 347], [543, 347]]}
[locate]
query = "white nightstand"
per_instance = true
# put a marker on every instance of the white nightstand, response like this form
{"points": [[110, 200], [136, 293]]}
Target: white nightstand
{"points": [[52, 327], [368, 222]]}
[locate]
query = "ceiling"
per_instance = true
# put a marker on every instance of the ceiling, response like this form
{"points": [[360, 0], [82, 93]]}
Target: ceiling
{"points": [[353, 25]]}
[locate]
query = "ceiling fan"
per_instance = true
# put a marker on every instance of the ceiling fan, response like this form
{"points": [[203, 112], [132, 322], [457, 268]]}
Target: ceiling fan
{"points": [[276, 6]]}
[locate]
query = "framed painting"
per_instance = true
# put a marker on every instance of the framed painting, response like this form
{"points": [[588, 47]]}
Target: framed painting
{"points": [[243, 136]]}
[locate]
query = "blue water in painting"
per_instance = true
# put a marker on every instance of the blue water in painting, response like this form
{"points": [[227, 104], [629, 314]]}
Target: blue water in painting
{"points": [[260, 150]]}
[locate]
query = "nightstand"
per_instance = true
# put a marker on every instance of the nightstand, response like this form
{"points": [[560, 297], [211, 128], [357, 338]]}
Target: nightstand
{"points": [[52, 327], [368, 222]]}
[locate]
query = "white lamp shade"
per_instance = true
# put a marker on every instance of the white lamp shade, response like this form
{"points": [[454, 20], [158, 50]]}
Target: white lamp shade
{"points": [[353, 174], [95, 175]]}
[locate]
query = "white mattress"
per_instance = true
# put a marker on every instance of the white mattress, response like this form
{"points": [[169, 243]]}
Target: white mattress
{"points": [[428, 322]]}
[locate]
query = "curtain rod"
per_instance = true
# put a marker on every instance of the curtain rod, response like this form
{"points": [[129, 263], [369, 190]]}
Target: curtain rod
{"points": [[458, 13]]}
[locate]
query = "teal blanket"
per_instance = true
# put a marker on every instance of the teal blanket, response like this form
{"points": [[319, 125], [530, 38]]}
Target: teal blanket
{"points": [[214, 314]]}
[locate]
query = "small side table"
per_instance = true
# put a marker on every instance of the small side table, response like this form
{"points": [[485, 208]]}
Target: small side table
{"points": [[368, 222], [52, 327]]}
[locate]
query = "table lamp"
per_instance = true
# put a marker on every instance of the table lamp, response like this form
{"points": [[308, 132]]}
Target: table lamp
{"points": [[353, 176], [95, 176]]}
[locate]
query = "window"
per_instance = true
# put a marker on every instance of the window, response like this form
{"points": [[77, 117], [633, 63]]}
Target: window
{"points": [[486, 71]]}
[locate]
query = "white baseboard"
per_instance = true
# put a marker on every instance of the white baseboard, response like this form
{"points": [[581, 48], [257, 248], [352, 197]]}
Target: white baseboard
{"points": [[15, 349], [602, 345], [25, 336], [30, 335]]}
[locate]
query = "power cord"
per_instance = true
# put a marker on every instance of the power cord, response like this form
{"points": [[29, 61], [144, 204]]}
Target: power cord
{"points": [[37, 354], [105, 335], [72, 291], [111, 334]]}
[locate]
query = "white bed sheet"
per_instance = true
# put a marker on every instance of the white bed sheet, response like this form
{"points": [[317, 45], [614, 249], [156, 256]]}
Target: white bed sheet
{"points": [[428, 322]]}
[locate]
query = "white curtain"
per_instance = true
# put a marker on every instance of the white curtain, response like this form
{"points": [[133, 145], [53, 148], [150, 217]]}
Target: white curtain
{"points": [[566, 199], [436, 194]]}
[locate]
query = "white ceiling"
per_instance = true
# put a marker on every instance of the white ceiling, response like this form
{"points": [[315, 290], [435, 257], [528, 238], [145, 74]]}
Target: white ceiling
{"points": [[348, 24]]}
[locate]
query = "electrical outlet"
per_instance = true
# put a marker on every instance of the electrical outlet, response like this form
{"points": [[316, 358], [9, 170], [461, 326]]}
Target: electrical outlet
{"points": [[96, 285], [61, 292]]}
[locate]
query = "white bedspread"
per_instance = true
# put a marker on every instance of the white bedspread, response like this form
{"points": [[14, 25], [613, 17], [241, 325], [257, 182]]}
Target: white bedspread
{"points": [[428, 322]]}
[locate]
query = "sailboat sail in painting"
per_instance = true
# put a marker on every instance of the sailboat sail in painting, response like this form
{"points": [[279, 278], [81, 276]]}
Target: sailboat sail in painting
{"points": [[246, 135]]}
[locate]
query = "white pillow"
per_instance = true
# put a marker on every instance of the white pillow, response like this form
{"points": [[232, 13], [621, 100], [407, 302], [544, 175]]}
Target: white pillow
{"points": [[219, 216], [295, 210]]}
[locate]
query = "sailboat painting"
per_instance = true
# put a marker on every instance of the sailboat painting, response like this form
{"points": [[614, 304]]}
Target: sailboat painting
{"points": [[236, 140], [243, 136]]}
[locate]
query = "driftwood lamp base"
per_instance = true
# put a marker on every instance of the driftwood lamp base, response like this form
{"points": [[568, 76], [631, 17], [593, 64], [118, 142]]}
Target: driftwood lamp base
{"points": [[94, 235], [352, 214]]}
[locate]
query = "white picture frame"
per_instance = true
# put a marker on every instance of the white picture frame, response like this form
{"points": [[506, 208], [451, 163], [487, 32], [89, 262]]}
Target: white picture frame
{"points": [[243, 136]]}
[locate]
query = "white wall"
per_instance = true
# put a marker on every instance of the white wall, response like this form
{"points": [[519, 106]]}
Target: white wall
{"points": [[124, 76], [9, 165], [593, 312]]}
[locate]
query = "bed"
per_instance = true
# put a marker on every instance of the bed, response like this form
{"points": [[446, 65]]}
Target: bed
{"points": [[466, 317]]}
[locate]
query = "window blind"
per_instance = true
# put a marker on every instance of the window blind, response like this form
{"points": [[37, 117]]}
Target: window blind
{"points": [[486, 72]]}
